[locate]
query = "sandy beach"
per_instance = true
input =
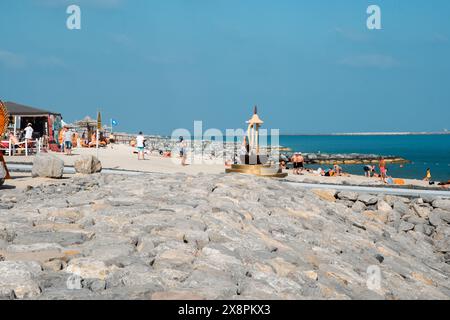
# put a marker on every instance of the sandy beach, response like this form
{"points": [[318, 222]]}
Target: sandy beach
{"points": [[122, 157]]}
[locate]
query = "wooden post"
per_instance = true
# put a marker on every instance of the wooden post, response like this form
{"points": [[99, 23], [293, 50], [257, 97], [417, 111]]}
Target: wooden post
{"points": [[15, 125], [2, 160]]}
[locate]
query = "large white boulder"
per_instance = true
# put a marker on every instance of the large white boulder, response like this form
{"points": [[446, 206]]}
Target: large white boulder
{"points": [[88, 164], [47, 166]]}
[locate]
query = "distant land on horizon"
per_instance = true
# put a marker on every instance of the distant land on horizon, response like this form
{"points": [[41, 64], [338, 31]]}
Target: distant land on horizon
{"points": [[369, 134], [412, 133]]}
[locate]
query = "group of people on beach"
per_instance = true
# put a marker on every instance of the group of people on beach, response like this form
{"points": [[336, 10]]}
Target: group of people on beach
{"points": [[298, 163], [141, 146], [370, 171]]}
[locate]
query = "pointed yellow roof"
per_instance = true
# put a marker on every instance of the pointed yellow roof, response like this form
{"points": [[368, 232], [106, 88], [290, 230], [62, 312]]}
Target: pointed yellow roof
{"points": [[255, 118]]}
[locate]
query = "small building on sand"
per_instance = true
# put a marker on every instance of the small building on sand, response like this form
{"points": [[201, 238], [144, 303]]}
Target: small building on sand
{"points": [[45, 123]]}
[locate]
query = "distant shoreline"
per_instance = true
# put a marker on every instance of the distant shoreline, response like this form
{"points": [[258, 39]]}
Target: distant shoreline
{"points": [[368, 134]]}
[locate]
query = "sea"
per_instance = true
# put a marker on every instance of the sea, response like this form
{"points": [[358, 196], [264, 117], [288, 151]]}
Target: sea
{"points": [[424, 151]]}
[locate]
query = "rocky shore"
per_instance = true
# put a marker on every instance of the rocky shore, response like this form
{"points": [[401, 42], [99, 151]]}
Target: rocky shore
{"points": [[176, 236], [351, 158], [215, 149]]}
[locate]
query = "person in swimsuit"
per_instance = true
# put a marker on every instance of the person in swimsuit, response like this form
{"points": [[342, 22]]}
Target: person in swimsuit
{"points": [[337, 169], [382, 166], [428, 175], [296, 162]]}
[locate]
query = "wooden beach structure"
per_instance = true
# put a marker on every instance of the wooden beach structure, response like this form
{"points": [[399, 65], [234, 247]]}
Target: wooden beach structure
{"points": [[44, 122], [16, 117]]}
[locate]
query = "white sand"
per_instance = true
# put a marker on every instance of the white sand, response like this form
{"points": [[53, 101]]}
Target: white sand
{"points": [[122, 157]]}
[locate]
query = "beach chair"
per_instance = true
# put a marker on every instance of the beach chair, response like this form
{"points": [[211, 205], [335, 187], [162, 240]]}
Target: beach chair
{"points": [[26, 147]]}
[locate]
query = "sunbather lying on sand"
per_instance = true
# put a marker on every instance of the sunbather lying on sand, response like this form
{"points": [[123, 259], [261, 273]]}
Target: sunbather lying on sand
{"points": [[444, 184]]}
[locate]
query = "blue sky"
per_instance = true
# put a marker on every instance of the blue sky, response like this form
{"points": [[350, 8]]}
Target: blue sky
{"points": [[157, 65]]}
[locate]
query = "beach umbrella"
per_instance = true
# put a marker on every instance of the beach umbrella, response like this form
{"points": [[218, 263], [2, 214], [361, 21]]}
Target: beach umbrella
{"points": [[86, 122], [99, 121], [99, 127]]}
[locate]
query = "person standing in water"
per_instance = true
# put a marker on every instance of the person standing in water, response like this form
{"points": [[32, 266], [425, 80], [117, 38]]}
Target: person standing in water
{"points": [[140, 145]]}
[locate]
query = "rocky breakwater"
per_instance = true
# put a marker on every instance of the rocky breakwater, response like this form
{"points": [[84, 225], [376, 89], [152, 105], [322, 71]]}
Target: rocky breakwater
{"points": [[350, 158], [161, 236]]}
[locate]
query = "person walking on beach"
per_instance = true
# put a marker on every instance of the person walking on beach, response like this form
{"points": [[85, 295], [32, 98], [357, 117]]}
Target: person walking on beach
{"points": [[140, 145], [183, 146], [68, 134], [382, 166], [298, 162]]}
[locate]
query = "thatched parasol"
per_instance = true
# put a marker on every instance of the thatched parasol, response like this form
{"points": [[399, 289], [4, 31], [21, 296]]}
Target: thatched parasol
{"points": [[86, 122]]}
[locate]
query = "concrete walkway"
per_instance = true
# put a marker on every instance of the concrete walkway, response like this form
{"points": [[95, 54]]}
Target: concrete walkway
{"points": [[376, 190]]}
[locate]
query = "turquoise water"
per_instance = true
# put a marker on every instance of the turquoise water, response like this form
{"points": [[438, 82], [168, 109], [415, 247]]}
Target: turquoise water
{"points": [[425, 151]]}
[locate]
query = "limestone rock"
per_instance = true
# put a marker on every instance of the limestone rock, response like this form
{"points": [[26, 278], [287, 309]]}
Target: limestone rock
{"points": [[2, 174], [390, 199], [346, 195], [368, 199], [199, 238], [47, 166], [422, 211], [88, 268], [406, 226], [444, 215], [383, 206], [443, 204], [145, 245], [327, 195], [359, 206], [74, 282], [20, 279], [87, 164], [435, 217], [381, 217], [401, 208]]}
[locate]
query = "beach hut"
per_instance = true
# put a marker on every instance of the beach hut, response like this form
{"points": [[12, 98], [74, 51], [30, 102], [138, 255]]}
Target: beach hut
{"points": [[45, 123]]}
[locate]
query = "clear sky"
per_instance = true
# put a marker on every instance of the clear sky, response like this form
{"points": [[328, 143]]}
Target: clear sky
{"points": [[157, 65]]}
